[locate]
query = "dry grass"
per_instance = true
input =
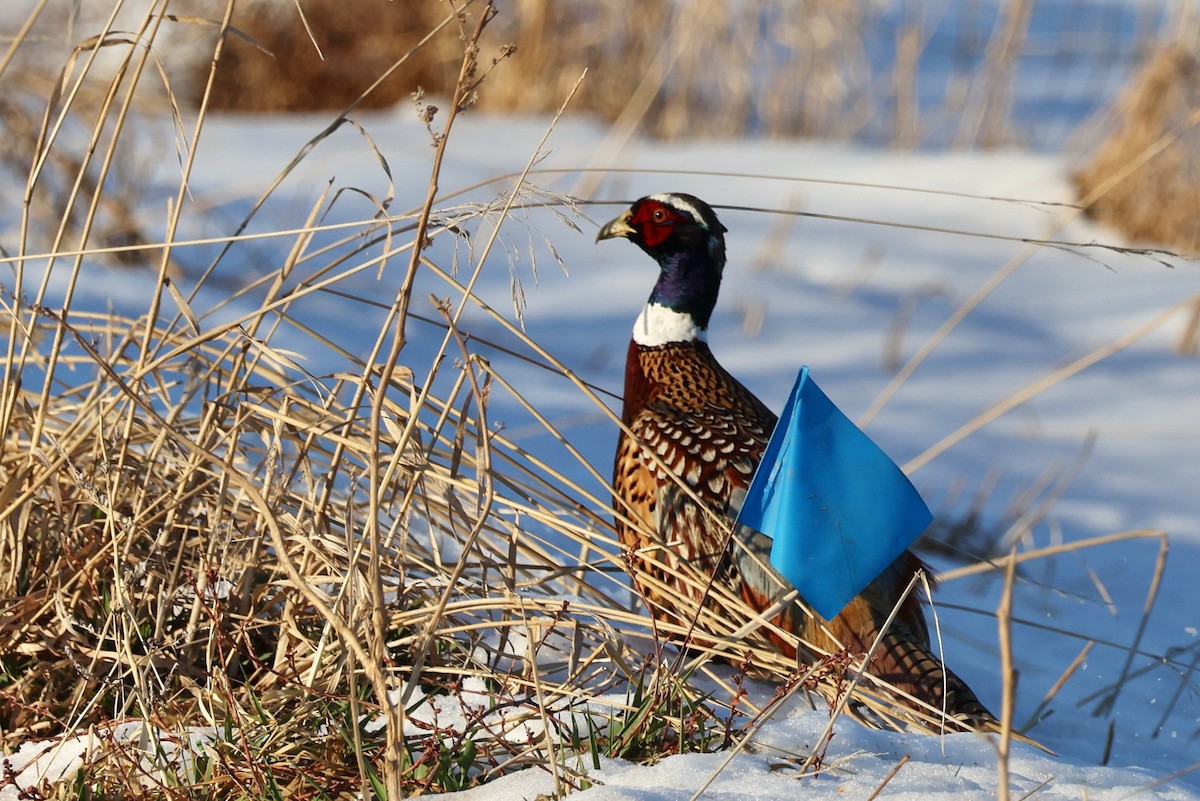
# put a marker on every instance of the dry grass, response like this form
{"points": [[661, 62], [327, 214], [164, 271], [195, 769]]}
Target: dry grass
{"points": [[58, 204], [1153, 142], [833, 69], [693, 59], [677, 70], [317, 56]]}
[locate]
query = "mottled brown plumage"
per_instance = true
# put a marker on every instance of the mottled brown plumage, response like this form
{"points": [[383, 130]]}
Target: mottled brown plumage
{"points": [[695, 430], [683, 407]]}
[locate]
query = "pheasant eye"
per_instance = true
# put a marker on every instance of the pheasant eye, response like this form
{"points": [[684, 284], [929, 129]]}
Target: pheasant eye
{"points": [[654, 222]]}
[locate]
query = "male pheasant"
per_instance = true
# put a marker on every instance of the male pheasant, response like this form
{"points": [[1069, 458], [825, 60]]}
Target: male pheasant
{"points": [[698, 433]]}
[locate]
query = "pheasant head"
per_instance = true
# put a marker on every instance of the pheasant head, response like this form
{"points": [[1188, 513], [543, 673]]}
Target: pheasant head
{"points": [[683, 235]]}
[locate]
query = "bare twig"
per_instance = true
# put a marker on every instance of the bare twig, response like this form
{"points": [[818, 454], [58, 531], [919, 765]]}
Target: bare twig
{"points": [[1008, 678], [891, 774]]}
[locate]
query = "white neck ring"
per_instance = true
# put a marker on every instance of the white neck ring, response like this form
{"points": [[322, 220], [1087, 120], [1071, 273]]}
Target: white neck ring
{"points": [[658, 325]]}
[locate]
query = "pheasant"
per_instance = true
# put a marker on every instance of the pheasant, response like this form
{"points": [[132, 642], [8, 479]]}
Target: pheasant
{"points": [[698, 433]]}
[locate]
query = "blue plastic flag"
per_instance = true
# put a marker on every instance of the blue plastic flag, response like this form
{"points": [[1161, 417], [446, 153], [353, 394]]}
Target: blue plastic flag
{"points": [[838, 509]]}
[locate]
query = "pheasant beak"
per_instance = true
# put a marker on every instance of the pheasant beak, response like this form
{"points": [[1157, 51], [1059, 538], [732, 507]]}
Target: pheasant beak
{"points": [[619, 227]]}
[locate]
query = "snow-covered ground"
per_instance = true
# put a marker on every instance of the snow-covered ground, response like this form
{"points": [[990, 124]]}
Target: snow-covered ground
{"points": [[852, 298]]}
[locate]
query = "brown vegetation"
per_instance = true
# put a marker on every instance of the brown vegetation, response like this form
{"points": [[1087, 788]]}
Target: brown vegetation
{"points": [[1144, 177], [677, 68], [324, 54]]}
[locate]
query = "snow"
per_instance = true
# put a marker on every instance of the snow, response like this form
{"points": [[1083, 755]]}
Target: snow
{"points": [[883, 249], [770, 767], [161, 753], [953, 767]]}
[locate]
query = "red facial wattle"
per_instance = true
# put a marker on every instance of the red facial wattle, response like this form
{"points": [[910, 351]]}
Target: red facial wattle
{"points": [[655, 221]]}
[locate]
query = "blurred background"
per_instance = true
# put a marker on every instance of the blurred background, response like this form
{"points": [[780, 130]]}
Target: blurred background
{"points": [[1099, 80]]}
